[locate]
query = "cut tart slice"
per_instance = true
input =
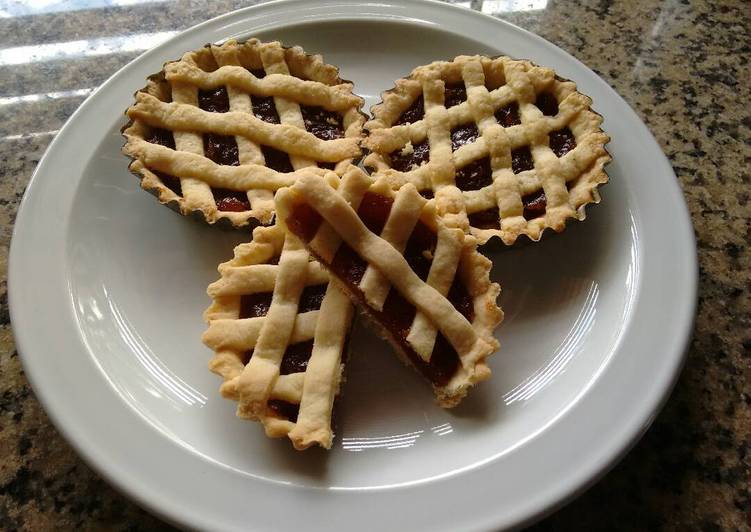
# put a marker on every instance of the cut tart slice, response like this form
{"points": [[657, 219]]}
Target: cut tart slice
{"points": [[219, 131], [422, 283], [279, 331], [505, 147]]}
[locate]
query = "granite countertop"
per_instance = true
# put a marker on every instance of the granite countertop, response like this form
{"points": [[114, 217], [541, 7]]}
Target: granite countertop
{"points": [[683, 66]]}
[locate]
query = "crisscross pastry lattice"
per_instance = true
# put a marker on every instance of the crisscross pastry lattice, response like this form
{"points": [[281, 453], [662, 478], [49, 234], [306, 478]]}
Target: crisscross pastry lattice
{"points": [[505, 147], [422, 282], [279, 331], [219, 131]]}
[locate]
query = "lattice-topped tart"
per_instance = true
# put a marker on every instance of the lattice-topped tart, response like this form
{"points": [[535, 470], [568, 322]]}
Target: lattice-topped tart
{"points": [[219, 131], [421, 281], [279, 331], [505, 147]]}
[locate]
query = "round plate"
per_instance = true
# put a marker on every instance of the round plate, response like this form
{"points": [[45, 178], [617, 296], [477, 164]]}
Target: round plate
{"points": [[107, 289]]}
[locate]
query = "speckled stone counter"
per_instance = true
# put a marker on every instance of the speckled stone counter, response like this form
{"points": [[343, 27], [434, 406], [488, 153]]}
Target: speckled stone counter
{"points": [[684, 66]]}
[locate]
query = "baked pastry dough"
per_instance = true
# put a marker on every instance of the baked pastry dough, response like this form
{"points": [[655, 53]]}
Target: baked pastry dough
{"points": [[461, 151], [421, 281], [505, 147], [279, 332], [219, 131]]}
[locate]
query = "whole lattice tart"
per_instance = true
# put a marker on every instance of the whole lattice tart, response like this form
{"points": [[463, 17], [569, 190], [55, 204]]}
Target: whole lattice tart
{"points": [[505, 147], [279, 331], [421, 281], [219, 131]]}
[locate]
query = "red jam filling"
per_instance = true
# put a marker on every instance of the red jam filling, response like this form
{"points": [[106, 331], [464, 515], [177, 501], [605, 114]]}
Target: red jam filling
{"points": [[455, 94], [348, 265], [311, 298], [547, 103], [296, 358], [284, 409], [403, 162], [521, 160], [397, 313], [462, 135], [562, 141], [230, 200], [304, 222], [508, 116], [276, 160], [326, 125], [421, 242], [170, 181], [214, 100], [219, 148], [374, 211], [163, 137], [414, 113], [534, 205], [265, 109], [222, 149], [255, 305], [475, 175], [487, 219]]}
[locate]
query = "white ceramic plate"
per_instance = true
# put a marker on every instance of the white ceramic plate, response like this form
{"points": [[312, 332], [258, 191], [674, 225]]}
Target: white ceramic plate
{"points": [[107, 289]]}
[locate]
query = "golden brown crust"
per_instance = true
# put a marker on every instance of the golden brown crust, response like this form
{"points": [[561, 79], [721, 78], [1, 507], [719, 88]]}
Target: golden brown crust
{"points": [[278, 264], [169, 102], [569, 182], [455, 254]]}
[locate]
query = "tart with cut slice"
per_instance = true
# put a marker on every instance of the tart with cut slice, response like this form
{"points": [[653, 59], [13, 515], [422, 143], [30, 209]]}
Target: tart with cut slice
{"points": [[279, 332], [421, 281], [219, 131], [506, 148]]}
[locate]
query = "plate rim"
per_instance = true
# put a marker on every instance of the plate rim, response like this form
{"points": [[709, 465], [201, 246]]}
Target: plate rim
{"points": [[175, 512]]}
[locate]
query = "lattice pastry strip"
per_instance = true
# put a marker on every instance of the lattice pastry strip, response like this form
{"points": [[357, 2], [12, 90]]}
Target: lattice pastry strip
{"points": [[220, 130], [279, 330], [248, 152], [504, 147], [422, 282]]}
